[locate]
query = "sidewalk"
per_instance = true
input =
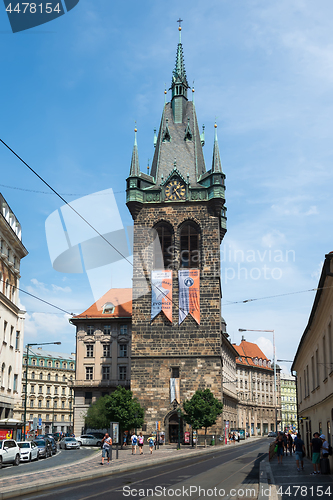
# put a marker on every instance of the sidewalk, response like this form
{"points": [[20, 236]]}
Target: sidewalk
{"points": [[282, 481], [91, 468]]}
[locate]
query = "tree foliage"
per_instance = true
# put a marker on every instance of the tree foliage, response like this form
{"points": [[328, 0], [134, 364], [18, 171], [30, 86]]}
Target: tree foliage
{"points": [[120, 406], [202, 409]]}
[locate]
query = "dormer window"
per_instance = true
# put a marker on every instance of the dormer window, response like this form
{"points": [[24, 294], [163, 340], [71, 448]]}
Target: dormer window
{"points": [[260, 362], [108, 308], [255, 360], [264, 362]]}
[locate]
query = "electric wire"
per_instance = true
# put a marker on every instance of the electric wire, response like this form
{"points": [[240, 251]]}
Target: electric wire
{"points": [[63, 194]]}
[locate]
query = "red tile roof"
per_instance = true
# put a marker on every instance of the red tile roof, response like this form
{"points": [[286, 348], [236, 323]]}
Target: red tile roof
{"points": [[248, 351], [121, 298]]}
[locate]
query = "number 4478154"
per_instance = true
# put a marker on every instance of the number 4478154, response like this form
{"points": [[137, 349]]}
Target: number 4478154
{"points": [[33, 8]]}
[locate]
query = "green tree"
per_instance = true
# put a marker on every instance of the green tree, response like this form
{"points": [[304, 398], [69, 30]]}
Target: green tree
{"points": [[120, 406], [202, 410]]}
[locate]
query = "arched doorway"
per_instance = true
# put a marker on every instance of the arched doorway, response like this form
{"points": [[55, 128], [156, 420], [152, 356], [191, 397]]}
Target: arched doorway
{"points": [[174, 428]]}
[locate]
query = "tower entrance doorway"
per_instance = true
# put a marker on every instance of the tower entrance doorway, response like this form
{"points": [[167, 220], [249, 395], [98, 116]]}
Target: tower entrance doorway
{"points": [[174, 428]]}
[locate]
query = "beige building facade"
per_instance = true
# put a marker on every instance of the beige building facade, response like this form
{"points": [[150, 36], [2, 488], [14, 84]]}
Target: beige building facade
{"points": [[103, 349], [258, 414], [288, 402], [313, 363], [12, 251], [49, 394], [229, 387]]}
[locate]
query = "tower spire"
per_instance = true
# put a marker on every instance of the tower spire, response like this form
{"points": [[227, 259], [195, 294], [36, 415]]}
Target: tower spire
{"points": [[216, 164], [179, 84], [135, 167]]}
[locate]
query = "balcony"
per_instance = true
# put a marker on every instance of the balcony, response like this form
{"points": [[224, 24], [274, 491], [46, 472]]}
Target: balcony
{"points": [[100, 383]]}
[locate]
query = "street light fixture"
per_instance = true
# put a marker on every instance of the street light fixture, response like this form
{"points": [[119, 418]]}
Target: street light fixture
{"points": [[179, 414], [26, 380], [274, 365]]}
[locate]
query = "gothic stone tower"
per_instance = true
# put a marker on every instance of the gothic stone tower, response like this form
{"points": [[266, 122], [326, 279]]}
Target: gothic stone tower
{"points": [[182, 205]]}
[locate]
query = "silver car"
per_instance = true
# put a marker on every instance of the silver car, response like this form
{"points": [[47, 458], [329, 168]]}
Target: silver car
{"points": [[89, 440], [68, 443], [29, 451]]}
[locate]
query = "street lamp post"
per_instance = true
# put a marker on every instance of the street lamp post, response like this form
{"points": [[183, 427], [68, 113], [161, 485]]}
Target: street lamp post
{"points": [[274, 365], [179, 414], [26, 380]]}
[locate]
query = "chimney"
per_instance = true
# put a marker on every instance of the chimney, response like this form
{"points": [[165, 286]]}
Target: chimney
{"points": [[243, 339]]}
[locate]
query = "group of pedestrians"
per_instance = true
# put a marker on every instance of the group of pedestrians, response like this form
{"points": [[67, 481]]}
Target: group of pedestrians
{"points": [[139, 440], [135, 441], [294, 443]]}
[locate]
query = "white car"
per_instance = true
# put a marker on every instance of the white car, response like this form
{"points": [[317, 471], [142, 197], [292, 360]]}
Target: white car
{"points": [[29, 451], [89, 440], [69, 443], [10, 453]]}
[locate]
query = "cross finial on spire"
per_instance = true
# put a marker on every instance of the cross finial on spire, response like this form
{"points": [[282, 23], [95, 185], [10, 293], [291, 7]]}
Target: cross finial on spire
{"points": [[180, 29]]}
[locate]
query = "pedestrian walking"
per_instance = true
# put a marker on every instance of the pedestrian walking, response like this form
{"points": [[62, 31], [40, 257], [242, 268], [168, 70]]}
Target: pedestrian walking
{"points": [[279, 442], [106, 443], [316, 445], [299, 451], [134, 441], [140, 439], [151, 443], [290, 444]]}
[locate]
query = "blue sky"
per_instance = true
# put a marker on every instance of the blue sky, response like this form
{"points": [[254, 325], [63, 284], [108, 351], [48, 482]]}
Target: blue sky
{"points": [[73, 88]]}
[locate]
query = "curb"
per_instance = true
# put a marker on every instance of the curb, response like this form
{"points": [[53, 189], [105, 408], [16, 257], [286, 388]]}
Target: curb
{"points": [[35, 487], [267, 488]]}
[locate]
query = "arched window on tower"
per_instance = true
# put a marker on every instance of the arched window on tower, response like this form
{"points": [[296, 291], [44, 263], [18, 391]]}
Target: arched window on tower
{"points": [[190, 245], [163, 246]]}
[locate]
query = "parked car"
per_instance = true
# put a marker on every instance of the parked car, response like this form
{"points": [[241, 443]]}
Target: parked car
{"points": [[53, 443], [89, 440], [68, 443], [29, 451], [272, 434], [44, 447], [56, 436], [10, 452]]}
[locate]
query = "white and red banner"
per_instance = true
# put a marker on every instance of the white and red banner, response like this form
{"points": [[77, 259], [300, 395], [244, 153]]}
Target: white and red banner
{"points": [[189, 294], [161, 294]]}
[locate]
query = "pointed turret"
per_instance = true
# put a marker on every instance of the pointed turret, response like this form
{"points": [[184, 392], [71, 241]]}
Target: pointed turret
{"points": [[179, 84], [135, 167], [216, 164]]}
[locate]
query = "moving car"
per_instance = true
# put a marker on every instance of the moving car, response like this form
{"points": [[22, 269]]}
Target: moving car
{"points": [[29, 451], [10, 453], [44, 447], [68, 443], [271, 434], [89, 440], [53, 442]]}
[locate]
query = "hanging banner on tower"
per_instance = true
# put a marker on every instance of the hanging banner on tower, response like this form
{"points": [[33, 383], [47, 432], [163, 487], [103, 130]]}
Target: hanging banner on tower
{"points": [[161, 293], [189, 294]]}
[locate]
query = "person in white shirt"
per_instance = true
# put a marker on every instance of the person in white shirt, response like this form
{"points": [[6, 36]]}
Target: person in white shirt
{"points": [[134, 440], [107, 442], [324, 446]]}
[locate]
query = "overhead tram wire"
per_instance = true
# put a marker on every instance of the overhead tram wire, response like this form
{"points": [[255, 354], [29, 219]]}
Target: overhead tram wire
{"points": [[79, 215], [63, 194], [275, 296], [38, 298]]}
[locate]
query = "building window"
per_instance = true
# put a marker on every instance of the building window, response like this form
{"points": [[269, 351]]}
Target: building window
{"points": [[33, 362], [189, 246], [163, 247], [49, 363], [4, 330], [15, 382], [49, 376], [89, 372], [31, 416], [55, 404], [90, 350], [90, 330], [64, 365], [122, 372], [41, 376], [40, 389], [62, 418], [39, 403], [57, 364], [123, 330], [32, 375], [108, 308], [48, 404], [106, 350], [48, 390], [56, 378], [55, 417], [31, 403], [41, 362], [56, 390], [17, 341], [175, 372], [123, 350], [325, 359], [87, 398], [11, 336], [62, 404], [64, 378], [32, 388], [106, 372], [107, 329], [63, 391]]}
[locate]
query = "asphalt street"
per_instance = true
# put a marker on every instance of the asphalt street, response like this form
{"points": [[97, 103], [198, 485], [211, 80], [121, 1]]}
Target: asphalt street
{"points": [[225, 471], [62, 457]]}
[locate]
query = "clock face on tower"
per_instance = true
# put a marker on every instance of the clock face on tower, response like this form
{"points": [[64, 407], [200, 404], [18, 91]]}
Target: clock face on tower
{"points": [[175, 190]]}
